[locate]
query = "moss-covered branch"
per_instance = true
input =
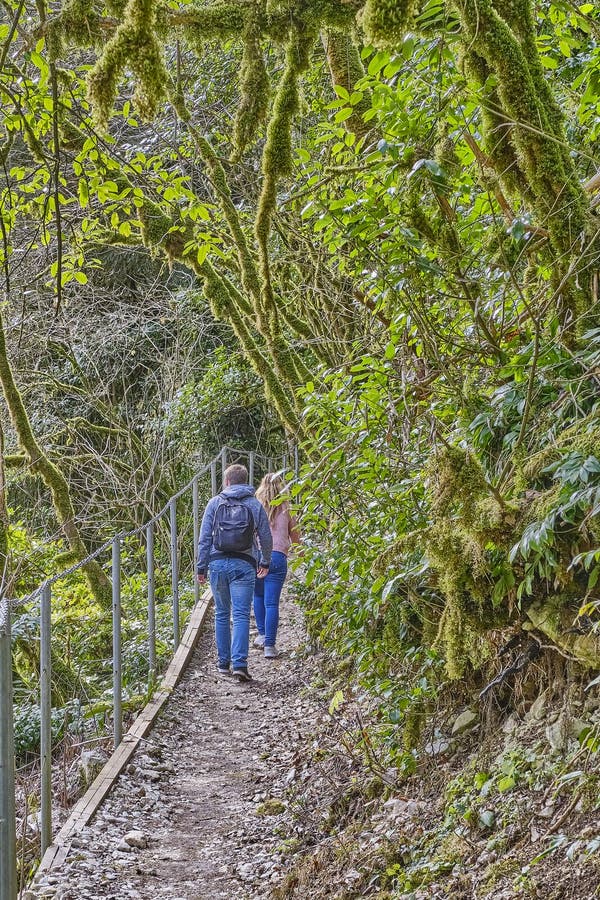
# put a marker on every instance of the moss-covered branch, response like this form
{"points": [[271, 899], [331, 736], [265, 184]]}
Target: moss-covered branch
{"points": [[51, 475]]}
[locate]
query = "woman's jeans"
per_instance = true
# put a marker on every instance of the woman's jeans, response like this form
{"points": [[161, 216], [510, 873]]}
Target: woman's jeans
{"points": [[267, 592], [232, 584]]}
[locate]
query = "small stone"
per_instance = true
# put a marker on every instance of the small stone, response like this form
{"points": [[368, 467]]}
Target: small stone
{"points": [[246, 870], [577, 727], [123, 846], [439, 746], [89, 764], [136, 838], [467, 720], [538, 708], [511, 725], [557, 734]]}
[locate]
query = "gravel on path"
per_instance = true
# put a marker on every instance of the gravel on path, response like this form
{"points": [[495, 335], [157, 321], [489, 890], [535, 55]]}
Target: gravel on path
{"points": [[200, 810]]}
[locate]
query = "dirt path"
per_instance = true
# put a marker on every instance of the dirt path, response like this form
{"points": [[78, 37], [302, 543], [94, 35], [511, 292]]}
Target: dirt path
{"points": [[203, 791]]}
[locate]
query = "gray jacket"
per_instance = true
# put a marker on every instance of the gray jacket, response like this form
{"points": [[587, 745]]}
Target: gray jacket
{"points": [[260, 555]]}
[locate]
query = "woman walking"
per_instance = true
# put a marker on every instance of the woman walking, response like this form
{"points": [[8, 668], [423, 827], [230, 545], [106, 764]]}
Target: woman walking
{"points": [[267, 591]]}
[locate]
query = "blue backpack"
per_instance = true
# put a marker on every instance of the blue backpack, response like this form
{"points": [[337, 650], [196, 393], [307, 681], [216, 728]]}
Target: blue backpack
{"points": [[233, 526]]}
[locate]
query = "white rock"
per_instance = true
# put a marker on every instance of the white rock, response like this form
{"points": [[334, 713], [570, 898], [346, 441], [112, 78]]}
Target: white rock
{"points": [[136, 838], [89, 764], [537, 710], [467, 720]]}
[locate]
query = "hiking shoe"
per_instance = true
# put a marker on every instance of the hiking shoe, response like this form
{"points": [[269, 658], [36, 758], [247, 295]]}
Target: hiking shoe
{"points": [[223, 670], [271, 653], [259, 640], [242, 674]]}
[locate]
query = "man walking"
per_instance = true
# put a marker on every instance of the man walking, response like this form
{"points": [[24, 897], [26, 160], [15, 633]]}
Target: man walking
{"points": [[229, 552]]}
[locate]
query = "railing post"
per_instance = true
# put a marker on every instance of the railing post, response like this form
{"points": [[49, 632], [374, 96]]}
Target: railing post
{"points": [[151, 603], [46, 717], [296, 462], [213, 478], [251, 467], [196, 520], [116, 622], [270, 464], [174, 570], [284, 464], [8, 856], [223, 463]]}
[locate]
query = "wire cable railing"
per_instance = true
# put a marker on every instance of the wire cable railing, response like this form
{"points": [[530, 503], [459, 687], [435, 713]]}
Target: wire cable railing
{"points": [[43, 595]]}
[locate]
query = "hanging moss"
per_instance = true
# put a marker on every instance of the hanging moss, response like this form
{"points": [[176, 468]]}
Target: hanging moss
{"points": [[277, 159], [160, 231], [254, 91], [535, 132], [35, 146], [386, 21], [468, 516], [78, 24], [136, 45]]}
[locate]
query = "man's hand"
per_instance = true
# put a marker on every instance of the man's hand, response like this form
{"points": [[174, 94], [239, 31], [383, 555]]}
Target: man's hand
{"points": [[201, 578], [261, 572]]}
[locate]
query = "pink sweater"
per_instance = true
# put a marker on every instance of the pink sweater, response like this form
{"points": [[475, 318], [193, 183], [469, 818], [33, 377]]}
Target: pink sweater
{"points": [[284, 529]]}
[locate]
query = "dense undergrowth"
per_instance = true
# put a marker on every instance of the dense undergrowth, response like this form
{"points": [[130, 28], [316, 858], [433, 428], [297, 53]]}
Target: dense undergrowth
{"points": [[501, 806]]}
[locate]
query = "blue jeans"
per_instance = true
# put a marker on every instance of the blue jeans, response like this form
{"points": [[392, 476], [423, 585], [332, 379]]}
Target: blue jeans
{"points": [[232, 584], [267, 592]]}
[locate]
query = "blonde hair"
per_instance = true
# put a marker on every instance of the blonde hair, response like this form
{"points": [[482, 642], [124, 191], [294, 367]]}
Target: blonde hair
{"points": [[271, 487]]}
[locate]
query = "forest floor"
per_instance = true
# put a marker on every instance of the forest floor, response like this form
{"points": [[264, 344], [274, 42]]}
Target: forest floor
{"points": [[263, 790]]}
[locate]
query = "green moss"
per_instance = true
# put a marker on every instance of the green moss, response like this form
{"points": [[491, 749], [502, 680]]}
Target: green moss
{"points": [[346, 70], [271, 807], [508, 51], [468, 516], [78, 24], [386, 21], [277, 163], [583, 437], [133, 44], [254, 91], [35, 146], [217, 21]]}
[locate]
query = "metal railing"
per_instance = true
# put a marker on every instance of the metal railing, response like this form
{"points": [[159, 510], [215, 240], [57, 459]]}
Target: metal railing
{"points": [[43, 594]]}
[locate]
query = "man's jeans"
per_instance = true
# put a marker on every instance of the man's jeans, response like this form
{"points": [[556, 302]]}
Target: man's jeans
{"points": [[267, 592], [232, 584]]}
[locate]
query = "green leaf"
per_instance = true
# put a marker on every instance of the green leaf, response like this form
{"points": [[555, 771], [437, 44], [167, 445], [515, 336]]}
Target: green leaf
{"points": [[336, 702], [506, 784]]}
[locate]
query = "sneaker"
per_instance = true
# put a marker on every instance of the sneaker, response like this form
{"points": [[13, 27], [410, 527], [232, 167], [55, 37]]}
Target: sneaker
{"points": [[259, 640], [223, 670], [271, 653], [242, 674]]}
